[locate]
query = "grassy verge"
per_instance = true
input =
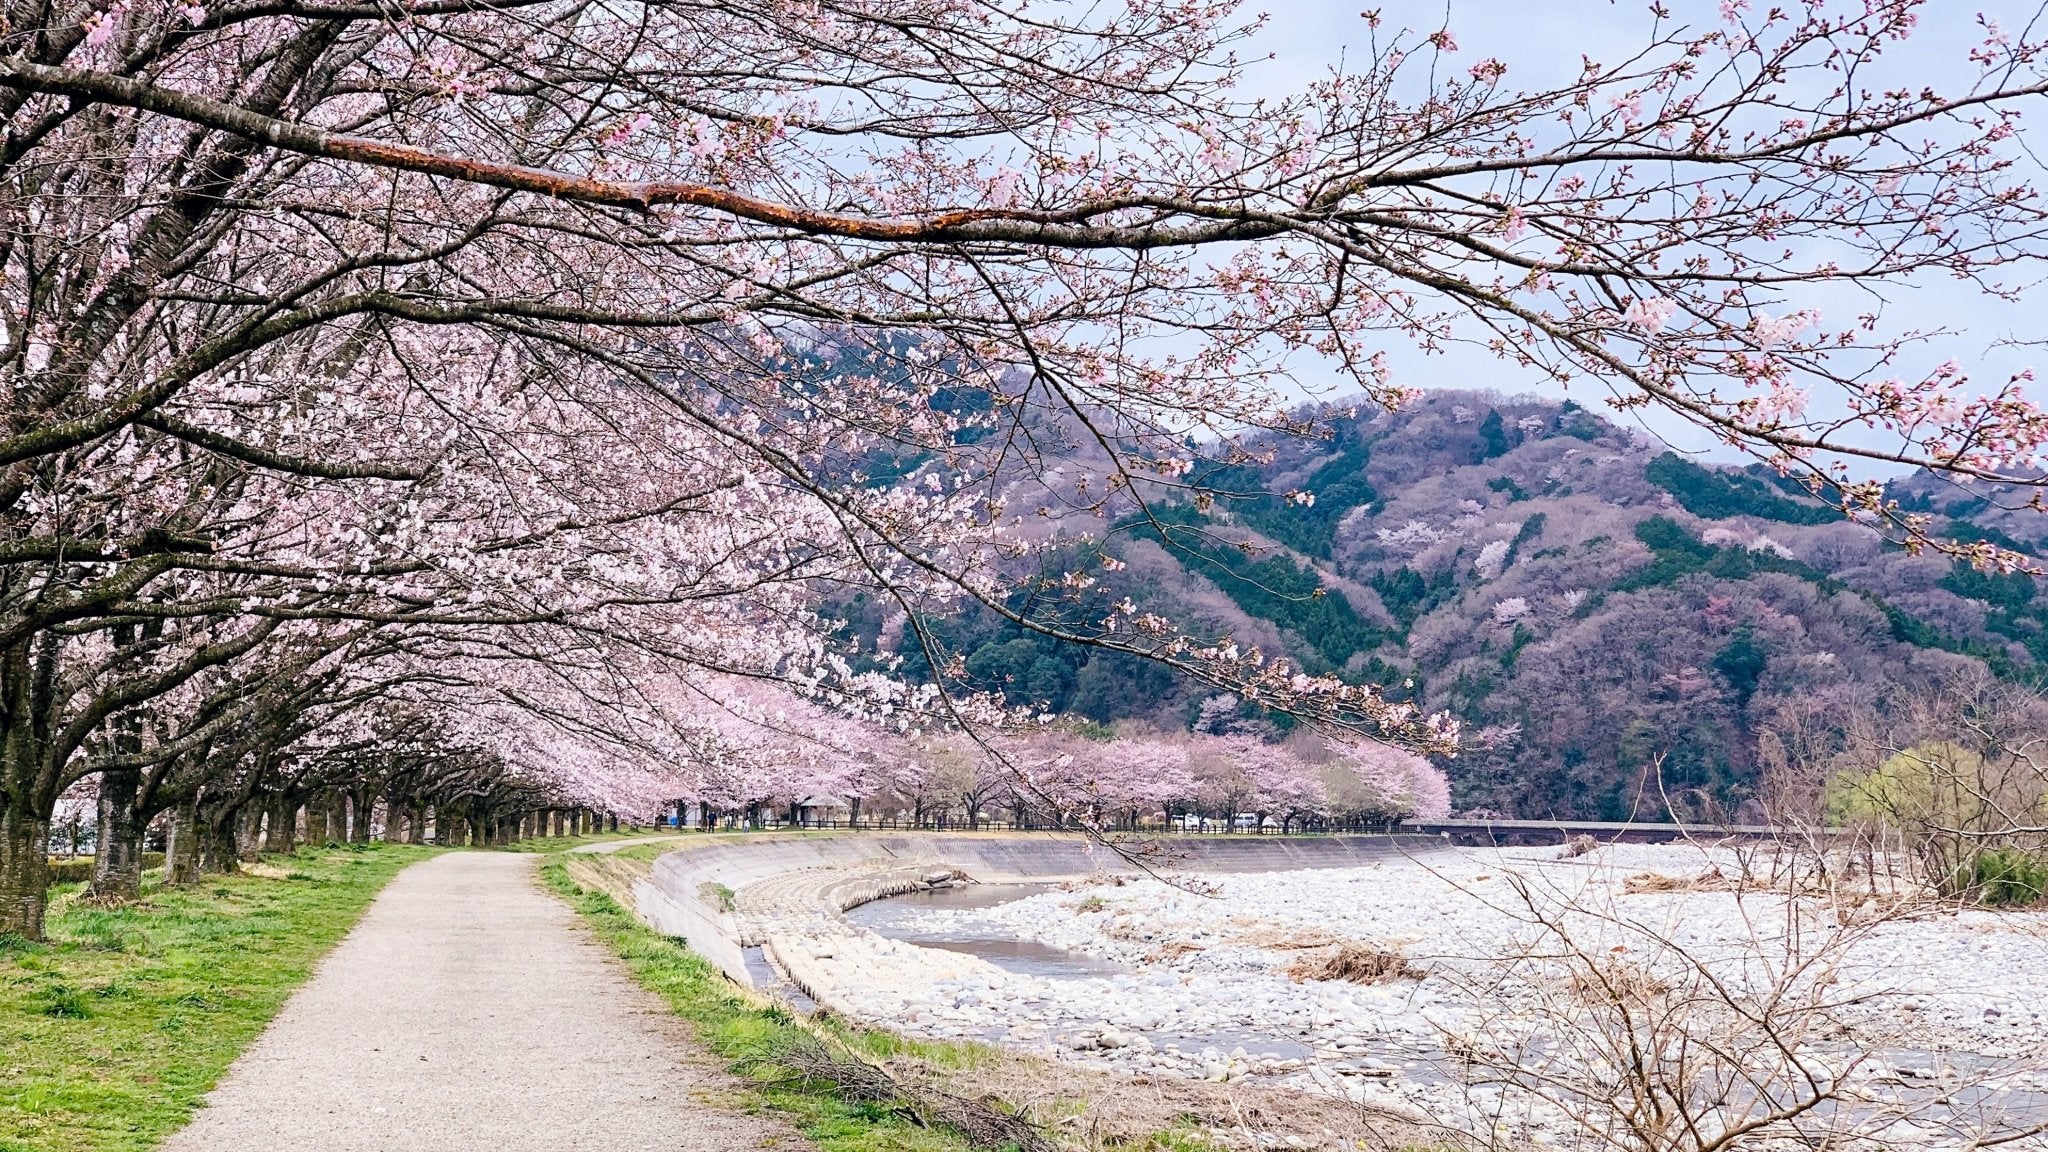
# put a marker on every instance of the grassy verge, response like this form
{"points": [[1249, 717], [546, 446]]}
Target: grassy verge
{"points": [[747, 1033], [112, 1031], [564, 843]]}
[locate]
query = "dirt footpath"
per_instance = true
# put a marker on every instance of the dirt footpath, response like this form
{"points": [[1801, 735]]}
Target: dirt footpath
{"points": [[469, 1011]]}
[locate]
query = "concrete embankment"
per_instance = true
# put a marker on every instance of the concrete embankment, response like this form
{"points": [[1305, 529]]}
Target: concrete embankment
{"points": [[728, 896]]}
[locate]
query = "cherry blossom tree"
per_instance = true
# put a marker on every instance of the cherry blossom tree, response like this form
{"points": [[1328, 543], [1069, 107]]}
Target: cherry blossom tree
{"points": [[603, 342]]}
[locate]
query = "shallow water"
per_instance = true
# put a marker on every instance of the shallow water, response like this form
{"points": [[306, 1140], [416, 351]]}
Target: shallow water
{"points": [[908, 918]]}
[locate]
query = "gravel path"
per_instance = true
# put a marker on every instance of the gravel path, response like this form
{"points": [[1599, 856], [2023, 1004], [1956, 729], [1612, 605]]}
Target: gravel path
{"points": [[468, 1010]]}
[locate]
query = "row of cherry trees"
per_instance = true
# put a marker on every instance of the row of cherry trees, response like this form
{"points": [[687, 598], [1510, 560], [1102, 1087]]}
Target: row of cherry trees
{"points": [[1063, 780], [481, 402]]}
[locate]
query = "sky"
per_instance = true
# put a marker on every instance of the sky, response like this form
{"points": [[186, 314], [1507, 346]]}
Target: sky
{"points": [[1542, 41]]}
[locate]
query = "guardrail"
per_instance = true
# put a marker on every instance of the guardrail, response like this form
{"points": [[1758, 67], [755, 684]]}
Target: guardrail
{"points": [[1508, 833]]}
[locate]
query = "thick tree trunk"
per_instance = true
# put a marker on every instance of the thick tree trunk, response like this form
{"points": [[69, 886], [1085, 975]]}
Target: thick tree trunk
{"points": [[334, 806], [183, 857], [117, 858], [217, 843], [316, 820], [24, 871], [280, 837], [248, 828], [416, 824], [361, 806]]}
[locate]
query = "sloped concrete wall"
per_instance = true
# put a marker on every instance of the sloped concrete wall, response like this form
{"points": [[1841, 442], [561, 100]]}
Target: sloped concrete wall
{"points": [[684, 896]]}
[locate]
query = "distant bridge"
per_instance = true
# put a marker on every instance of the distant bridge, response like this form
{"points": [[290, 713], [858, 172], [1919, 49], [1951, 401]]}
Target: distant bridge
{"points": [[1512, 832]]}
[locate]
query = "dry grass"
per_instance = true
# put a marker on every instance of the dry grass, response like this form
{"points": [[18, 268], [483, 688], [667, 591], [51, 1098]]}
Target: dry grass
{"points": [[1099, 1111], [1618, 982], [613, 874], [1646, 882], [1289, 940], [1357, 963], [983, 1119], [1578, 846]]}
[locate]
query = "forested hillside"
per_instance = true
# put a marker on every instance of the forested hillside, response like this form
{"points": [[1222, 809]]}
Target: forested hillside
{"points": [[1590, 603]]}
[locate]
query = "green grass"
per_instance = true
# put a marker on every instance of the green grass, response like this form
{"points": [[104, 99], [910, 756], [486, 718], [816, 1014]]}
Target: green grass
{"points": [[112, 1030], [564, 843], [746, 1034]]}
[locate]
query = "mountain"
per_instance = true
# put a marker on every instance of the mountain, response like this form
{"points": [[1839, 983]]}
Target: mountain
{"points": [[1619, 621]]}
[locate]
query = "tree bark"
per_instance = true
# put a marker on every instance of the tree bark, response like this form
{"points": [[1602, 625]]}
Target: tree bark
{"points": [[362, 806], [217, 843], [117, 855], [397, 822], [24, 871], [281, 837], [335, 807], [248, 832], [182, 857]]}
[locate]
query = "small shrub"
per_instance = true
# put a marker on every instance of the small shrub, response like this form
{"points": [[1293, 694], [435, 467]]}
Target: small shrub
{"points": [[2008, 877], [1091, 904]]}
